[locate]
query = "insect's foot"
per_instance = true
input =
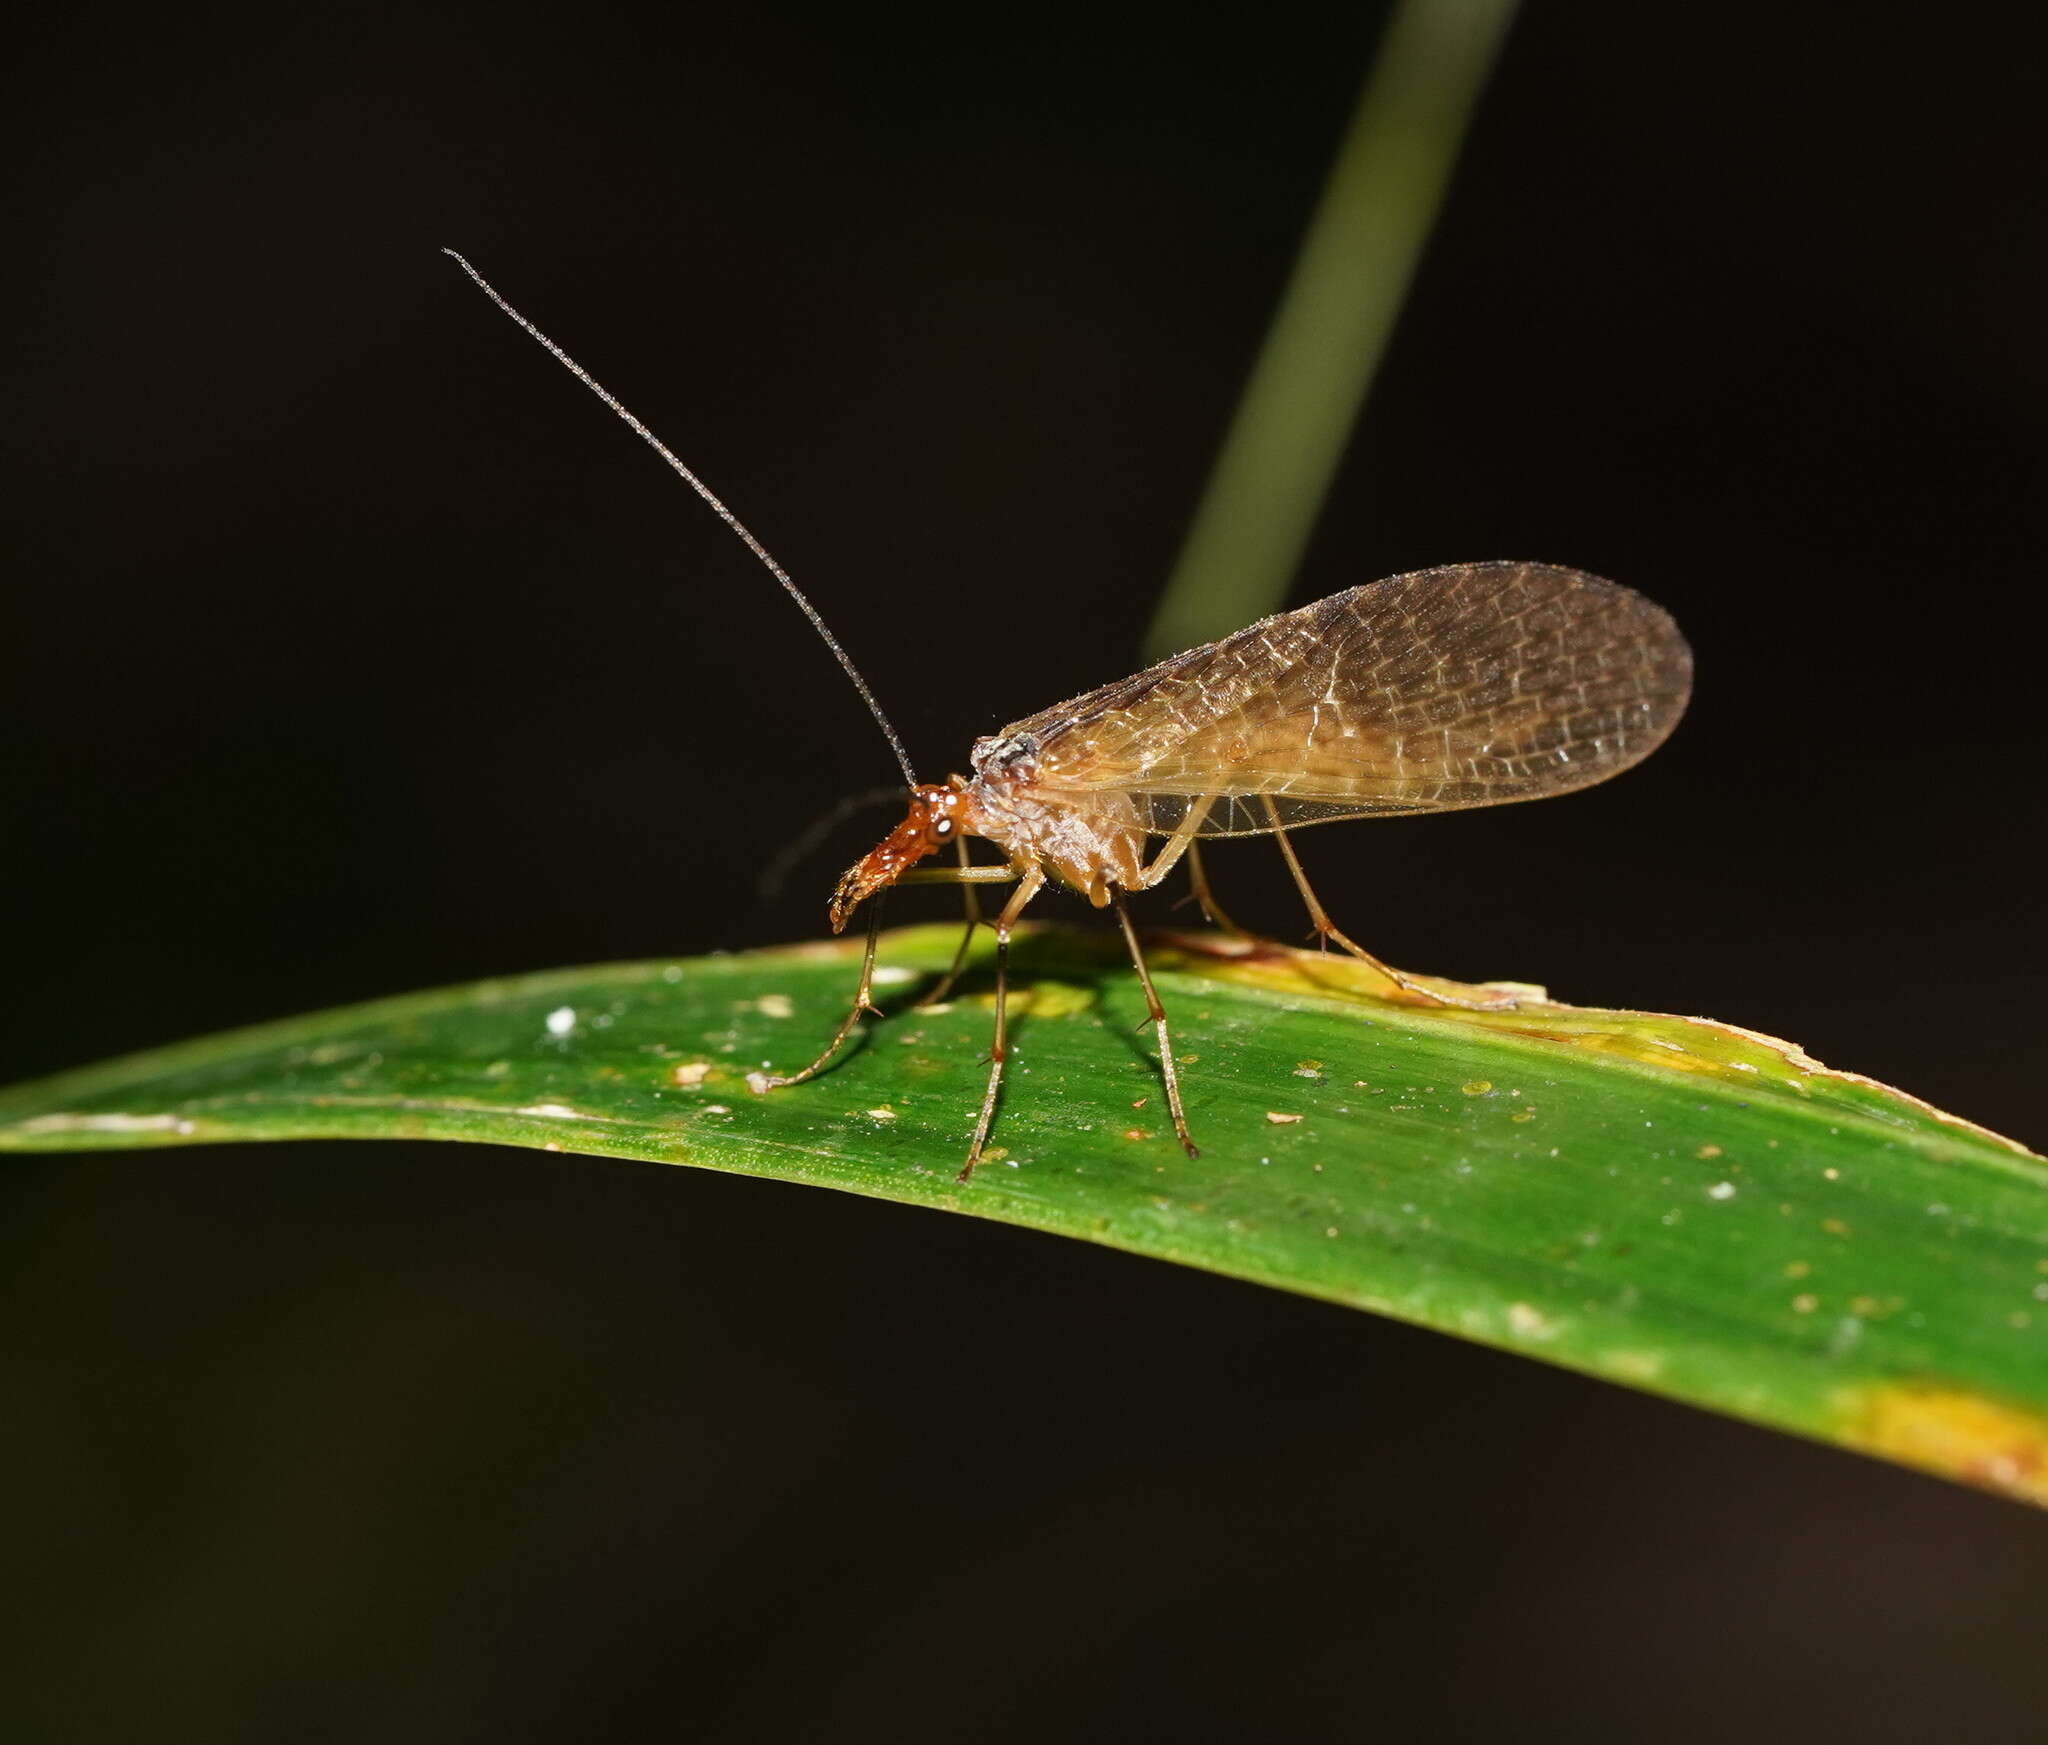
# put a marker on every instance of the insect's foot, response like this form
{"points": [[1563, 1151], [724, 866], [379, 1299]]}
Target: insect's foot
{"points": [[762, 1082], [966, 1170], [1191, 1148], [1497, 1003]]}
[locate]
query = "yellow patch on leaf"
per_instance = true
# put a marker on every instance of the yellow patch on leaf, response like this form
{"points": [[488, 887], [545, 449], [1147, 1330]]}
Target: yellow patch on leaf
{"points": [[1958, 1434]]}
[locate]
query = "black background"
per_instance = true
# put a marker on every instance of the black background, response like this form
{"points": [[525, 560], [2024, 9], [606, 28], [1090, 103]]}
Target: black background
{"points": [[351, 647]]}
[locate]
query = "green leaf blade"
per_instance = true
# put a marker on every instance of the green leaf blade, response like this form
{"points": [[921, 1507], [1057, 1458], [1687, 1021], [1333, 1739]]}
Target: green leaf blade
{"points": [[1673, 1204]]}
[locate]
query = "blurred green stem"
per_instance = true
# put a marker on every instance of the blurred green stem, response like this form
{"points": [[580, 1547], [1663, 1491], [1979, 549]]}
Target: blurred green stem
{"points": [[1310, 379]]}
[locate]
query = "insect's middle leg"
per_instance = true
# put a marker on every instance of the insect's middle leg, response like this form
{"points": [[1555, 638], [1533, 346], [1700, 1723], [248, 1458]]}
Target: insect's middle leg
{"points": [[1327, 930]]}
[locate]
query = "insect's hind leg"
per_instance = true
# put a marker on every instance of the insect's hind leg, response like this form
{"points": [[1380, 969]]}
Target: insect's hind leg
{"points": [[999, 1049], [1158, 1012], [1327, 930], [1181, 842], [1205, 898]]}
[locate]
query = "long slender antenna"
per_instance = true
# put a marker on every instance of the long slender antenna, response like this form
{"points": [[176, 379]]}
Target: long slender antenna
{"points": [[724, 514]]}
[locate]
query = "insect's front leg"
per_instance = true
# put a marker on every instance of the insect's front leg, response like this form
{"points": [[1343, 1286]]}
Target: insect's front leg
{"points": [[966, 877], [863, 1001], [959, 875], [1031, 879], [972, 904]]}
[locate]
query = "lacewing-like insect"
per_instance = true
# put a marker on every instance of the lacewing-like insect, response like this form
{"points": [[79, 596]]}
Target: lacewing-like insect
{"points": [[1469, 685]]}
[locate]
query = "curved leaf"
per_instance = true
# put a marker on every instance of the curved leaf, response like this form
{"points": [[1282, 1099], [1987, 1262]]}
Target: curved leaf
{"points": [[1675, 1204]]}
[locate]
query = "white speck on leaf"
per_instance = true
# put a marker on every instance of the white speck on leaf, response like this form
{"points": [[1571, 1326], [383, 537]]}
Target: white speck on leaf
{"points": [[561, 1020], [105, 1124]]}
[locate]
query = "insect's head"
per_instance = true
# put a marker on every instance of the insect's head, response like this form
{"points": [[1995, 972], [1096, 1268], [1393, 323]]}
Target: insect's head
{"points": [[934, 822]]}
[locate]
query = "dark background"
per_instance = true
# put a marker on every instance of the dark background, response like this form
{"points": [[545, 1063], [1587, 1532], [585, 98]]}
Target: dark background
{"points": [[351, 647]]}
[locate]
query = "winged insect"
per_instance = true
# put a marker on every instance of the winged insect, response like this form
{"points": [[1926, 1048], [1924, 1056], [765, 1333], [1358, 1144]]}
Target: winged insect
{"points": [[1467, 685]]}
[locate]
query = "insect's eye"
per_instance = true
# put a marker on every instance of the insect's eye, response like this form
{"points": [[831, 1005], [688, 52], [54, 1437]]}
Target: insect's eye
{"points": [[943, 828]]}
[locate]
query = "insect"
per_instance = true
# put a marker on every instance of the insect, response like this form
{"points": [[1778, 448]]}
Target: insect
{"points": [[1468, 685]]}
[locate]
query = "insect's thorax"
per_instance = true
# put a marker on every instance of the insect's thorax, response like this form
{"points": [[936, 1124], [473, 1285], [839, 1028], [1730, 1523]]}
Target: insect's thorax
{"points": [[1090, 841]]}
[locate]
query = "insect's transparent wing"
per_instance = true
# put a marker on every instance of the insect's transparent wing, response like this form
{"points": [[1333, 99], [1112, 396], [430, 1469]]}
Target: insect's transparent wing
{"points": [[1246, 814], [1470, 685]]}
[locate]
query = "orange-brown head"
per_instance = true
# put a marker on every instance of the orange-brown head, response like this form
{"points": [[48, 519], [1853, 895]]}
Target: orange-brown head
{"points": [[934, 821]]}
